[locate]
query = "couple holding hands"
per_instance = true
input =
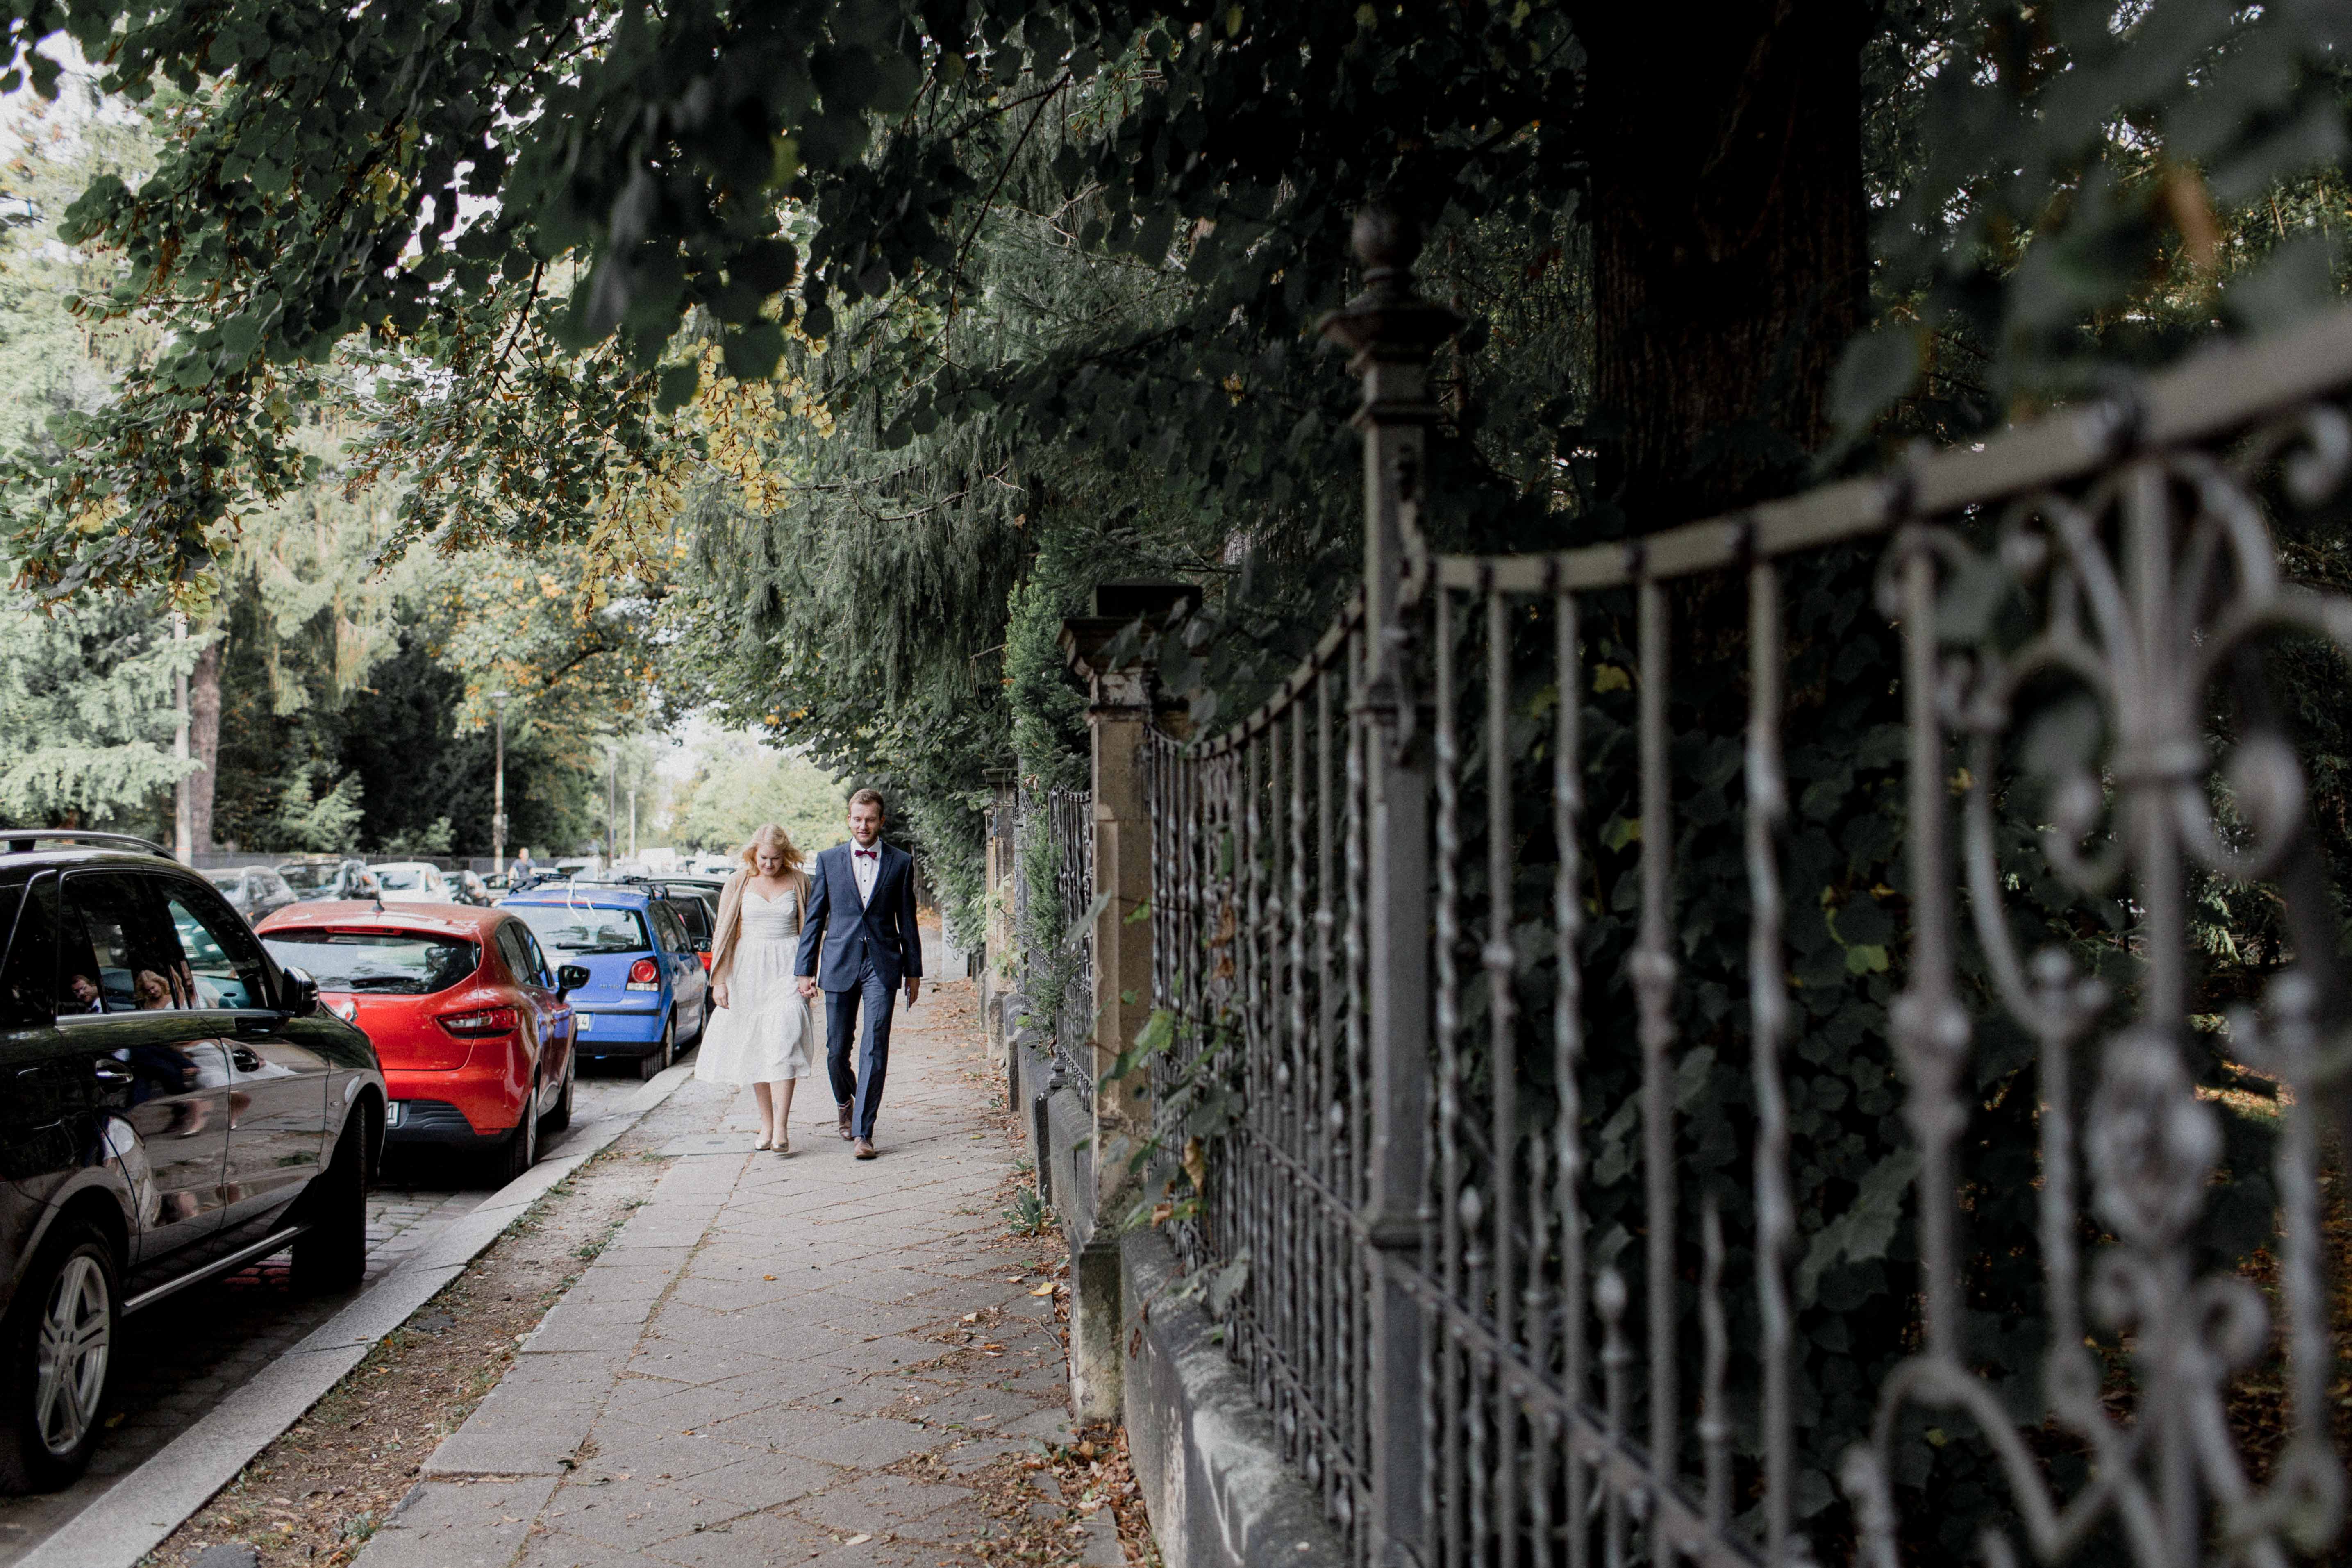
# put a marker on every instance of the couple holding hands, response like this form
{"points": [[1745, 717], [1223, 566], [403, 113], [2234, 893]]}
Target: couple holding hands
{"points": [[846, 926]]}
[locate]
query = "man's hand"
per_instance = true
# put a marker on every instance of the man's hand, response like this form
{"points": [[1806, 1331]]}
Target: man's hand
{"points": [[914, 988], [719, 997], [808, 987]]}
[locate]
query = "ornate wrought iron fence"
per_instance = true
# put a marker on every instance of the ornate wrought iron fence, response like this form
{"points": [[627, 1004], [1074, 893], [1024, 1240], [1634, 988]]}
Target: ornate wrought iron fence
{"points": [[1395, 1185], [1054, 889], [1257, 854]]}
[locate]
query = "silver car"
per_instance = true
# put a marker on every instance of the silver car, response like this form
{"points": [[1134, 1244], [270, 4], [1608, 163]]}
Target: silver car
{"points": [[252, 892]]}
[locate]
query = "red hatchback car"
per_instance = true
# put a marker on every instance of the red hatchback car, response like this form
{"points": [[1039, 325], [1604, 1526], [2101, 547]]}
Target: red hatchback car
{"points": [[469, 1018]]}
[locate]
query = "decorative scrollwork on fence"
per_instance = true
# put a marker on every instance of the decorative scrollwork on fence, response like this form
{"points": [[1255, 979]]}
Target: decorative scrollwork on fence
{"points": [[2146, 588]]}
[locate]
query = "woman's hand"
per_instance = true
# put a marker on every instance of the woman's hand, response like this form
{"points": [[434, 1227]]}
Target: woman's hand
{"points": [[718, 995]]}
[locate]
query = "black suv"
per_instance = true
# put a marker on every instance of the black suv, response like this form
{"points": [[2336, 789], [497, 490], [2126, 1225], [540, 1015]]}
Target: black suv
{"points": [[175, 1105]]}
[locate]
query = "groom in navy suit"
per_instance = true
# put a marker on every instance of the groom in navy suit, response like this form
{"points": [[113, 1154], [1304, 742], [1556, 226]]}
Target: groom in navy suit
{"points": [[858, 942]]}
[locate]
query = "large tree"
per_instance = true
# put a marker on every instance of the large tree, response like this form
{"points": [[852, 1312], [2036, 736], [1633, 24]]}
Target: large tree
{"points": [[698, 159]]}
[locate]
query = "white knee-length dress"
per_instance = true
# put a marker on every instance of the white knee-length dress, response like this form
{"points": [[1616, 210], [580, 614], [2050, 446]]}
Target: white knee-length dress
{"points": [[762, 1034]]}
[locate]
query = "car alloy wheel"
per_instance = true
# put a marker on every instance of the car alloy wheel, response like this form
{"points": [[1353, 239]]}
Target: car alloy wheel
{"points": [[558, 1116], [76, 1335]]}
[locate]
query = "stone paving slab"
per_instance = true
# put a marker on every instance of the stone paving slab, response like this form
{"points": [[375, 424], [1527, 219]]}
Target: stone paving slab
{"points": [[770, 1363]]}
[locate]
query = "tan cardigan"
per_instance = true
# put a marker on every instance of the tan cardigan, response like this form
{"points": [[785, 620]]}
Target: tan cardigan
{"points": [[731, 921]]}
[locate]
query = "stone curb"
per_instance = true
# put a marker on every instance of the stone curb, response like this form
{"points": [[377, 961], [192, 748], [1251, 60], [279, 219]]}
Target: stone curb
{"points": [[134, 1516], [1208, 1458]]}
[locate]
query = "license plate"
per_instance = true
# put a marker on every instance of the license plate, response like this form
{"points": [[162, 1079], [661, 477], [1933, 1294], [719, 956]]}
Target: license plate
{"points": [[395, 1113], [587, 1021]]}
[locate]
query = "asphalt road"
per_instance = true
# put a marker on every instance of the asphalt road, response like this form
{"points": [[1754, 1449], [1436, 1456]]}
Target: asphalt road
{"points": [[178, 1360]]}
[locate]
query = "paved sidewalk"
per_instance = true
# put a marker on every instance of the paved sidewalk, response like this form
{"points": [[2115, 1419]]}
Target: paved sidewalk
{"points": [[778, 1360]]}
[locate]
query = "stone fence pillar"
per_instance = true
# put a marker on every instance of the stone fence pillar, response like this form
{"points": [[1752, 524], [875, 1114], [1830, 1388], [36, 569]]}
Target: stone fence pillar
{"points": [[1118, 717]]}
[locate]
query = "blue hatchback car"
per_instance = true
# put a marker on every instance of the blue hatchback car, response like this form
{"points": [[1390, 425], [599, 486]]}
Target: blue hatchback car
{"points": [[647, 996]]}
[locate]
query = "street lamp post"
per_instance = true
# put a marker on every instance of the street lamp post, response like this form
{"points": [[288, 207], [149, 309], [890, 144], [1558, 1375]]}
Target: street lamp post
{"points": [[183, 800], [612, 800], [499, 789]]}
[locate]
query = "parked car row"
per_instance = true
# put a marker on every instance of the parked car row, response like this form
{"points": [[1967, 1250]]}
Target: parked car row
{"points": [[254, 891], [208, 1067]]}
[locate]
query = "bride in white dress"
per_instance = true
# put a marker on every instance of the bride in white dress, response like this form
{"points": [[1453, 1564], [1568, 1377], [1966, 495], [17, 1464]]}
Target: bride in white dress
{"points": [[761, 1032]]}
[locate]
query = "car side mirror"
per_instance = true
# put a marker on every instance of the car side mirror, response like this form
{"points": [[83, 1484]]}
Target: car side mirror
{"points": [[570, 978], [302, 993]]}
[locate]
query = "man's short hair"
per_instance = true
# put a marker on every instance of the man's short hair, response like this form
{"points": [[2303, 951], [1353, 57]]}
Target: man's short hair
{"points": [[872, 797]]}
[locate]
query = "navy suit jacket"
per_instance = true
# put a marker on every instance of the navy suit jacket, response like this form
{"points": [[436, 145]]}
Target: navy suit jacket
{"points": [[839, 938]]}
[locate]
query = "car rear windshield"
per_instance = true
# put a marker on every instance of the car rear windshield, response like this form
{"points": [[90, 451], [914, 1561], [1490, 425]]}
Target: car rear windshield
{"points": [[398, 881], [404, 964], [577, 927]]}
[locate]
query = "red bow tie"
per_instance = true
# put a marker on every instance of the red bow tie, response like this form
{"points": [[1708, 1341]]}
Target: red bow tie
{"points": [[866, 854]]}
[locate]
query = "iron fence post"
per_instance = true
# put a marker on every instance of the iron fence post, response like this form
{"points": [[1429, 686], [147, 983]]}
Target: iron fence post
{"points": [[1394, 335]]}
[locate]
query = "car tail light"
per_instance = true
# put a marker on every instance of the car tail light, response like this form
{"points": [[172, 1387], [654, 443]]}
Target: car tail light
{"points": [[705, 956], [489, 1021], [643, 976]]}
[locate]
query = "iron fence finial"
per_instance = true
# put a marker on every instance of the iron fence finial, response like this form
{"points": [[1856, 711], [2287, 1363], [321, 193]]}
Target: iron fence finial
{"points": [[1387, 241]]}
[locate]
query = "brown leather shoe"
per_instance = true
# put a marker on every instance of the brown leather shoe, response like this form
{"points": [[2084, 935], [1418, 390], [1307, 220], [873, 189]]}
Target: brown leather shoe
{"points": [[845, 1132], [865, 1150]]}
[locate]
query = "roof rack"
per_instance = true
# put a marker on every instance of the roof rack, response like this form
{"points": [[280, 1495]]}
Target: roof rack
{"points": [[22, 841]]}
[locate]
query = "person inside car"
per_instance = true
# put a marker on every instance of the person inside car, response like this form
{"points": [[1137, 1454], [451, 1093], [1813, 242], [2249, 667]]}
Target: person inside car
{"points": [[83, 995]]}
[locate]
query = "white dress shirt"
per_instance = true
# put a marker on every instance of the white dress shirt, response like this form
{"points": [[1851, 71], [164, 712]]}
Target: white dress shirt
{"points": [[867, 865]]}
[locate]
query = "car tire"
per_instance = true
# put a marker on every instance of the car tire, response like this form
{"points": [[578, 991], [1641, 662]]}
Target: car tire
{"points": [[559, 1117], [70, 1301], [333, 1254], [653, 1062], [520, 1152]]}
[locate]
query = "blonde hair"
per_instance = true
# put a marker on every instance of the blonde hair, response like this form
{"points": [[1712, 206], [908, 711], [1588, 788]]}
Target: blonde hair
{"points": [[768, 833]]}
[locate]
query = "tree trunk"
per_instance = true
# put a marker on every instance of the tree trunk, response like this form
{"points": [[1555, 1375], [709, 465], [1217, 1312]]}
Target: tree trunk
{"points": [[1730, 263], [204, 737]]}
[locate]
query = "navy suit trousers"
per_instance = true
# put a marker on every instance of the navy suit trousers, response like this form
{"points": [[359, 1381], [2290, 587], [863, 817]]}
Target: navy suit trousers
{"points": [[863, 1088]]}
